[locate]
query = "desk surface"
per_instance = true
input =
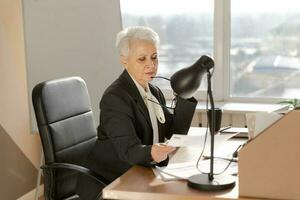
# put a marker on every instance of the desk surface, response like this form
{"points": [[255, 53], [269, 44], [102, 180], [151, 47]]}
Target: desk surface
{"points": [[141, 183]]}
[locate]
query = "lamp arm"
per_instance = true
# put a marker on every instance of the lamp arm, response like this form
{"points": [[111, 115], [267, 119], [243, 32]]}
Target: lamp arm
{"points": [[212, 125]]}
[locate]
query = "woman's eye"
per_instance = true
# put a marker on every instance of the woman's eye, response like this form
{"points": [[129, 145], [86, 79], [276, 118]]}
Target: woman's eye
{"points": [[141, 59], [154, 57]]}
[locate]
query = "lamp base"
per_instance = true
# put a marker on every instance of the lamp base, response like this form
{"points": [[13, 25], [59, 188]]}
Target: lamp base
{"points": [[220, 182]]}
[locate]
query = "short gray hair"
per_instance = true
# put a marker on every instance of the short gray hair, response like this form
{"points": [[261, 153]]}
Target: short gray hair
{"points": [[129, 34]]}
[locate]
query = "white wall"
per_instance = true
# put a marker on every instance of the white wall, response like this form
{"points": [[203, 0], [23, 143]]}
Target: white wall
{"points": [[72, 38]]}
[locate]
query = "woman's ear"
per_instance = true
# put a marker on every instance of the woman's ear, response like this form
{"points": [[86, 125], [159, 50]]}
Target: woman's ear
{"points": [[124, 61]]}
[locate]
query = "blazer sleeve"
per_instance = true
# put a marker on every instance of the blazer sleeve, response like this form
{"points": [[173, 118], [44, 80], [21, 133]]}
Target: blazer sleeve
{"points": [[179, 122], [118, 120], [183, 115]]}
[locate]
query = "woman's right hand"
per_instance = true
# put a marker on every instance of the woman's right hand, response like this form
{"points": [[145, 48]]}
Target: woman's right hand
{"points": [[159, 152]]}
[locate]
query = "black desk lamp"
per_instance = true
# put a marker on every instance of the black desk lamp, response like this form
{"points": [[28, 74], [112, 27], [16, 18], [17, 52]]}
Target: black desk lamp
{"points": [[185, 83]]}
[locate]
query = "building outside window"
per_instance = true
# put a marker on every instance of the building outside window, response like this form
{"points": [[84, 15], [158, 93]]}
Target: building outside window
{"points": [[265, 49]]}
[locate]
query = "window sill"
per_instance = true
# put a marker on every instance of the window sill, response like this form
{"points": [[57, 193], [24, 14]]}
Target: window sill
{"points": [[240, 108], [236, 107]]}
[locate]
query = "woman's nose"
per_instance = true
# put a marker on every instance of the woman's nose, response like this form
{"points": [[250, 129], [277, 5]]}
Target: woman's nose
{"points": [[151, 63]]}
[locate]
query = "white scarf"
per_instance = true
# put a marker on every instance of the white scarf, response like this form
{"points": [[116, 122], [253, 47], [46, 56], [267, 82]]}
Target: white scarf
{"points": [[156, 106], [154, 109]]}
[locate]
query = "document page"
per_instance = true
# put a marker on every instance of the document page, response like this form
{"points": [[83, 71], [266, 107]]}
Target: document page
{"points": [[176, 171], [198, 141], [182, 163]]}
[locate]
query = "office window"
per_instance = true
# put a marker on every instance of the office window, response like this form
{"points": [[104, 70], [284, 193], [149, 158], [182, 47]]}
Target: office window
{"points": [[265, 49], [185, 29]]}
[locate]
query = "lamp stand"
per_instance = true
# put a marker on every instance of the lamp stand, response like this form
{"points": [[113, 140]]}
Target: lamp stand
{"points": [[209, 182]]}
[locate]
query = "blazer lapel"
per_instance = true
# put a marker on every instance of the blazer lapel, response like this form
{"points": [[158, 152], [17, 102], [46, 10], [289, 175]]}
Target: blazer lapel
{"points": [[134, 93]]}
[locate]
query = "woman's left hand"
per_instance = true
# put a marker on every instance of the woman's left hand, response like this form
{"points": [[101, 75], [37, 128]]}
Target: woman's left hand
{"points": [[159, 152]]}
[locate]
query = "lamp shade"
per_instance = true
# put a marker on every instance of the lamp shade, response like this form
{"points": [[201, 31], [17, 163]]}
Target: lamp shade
{"points": [[186, 81]]}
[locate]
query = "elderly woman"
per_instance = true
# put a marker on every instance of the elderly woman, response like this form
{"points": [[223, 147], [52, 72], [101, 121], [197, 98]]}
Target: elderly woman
{"points": [[133, 124]]}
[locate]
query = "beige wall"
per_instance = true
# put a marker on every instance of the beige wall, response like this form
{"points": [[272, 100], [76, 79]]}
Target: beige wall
{"points": [[14, 112]]}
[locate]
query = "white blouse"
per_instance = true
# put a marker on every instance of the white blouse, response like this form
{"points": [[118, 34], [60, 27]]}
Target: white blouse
{"points": [[154, 109]]}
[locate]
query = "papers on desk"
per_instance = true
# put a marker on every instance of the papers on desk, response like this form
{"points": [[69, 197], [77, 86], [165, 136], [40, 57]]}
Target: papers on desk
{"points": [[182, 165], [185, 140], [182, 171], [198, 141], [176, 171]]}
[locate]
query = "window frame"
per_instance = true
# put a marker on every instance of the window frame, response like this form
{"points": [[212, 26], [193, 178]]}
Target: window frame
{"points": [[221, 52]]}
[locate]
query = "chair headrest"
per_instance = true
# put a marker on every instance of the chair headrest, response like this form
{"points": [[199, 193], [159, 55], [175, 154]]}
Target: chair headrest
{"points": [[61, 98]]}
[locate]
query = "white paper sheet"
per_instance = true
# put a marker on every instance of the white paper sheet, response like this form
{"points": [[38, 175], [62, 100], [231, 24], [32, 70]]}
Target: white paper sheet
{"points": [[182, 164], [176, 171], [198, 141]]}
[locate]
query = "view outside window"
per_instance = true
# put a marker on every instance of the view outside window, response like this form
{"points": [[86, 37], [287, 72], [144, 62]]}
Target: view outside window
{"points": [[185, 29], [265, 49]]}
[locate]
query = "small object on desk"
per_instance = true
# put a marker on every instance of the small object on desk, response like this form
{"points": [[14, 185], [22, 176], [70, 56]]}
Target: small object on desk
{"points": [[225, 128], [242, 132], [232, 158]]}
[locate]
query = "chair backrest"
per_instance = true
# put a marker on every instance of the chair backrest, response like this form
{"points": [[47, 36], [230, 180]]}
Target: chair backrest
{"points": [[66, 127]]}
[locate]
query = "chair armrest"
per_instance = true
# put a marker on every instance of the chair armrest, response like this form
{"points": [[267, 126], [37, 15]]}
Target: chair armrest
{"points": [[78, 168]]}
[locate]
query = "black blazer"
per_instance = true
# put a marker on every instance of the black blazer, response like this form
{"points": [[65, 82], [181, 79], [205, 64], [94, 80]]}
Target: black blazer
{"points": [[125, 133]]}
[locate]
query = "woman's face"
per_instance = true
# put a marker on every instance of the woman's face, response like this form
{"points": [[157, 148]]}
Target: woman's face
{"points": [[141, 61]]}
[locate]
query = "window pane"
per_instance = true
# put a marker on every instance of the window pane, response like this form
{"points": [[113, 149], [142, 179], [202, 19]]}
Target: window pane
{"points": [[185, 29], [265, 49]]}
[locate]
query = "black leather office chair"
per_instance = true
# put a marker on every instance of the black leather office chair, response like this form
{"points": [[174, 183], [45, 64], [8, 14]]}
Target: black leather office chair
{"points": [[65, 122]]}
